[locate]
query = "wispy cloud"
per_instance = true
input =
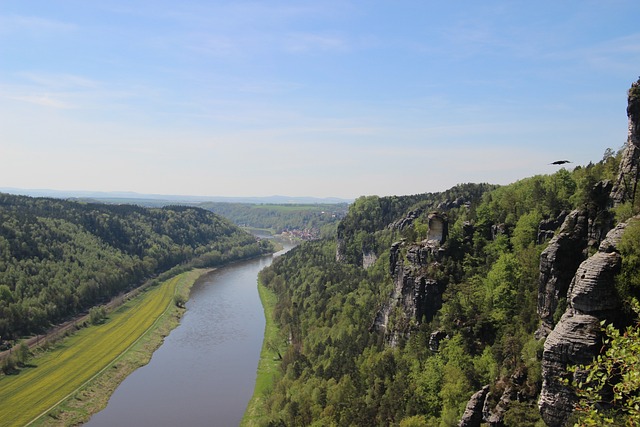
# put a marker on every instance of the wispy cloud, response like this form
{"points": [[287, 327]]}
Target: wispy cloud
{"points": [[34, 25], [44, 100], [60, 80], [309, 42], [67, 91], [621, 53]]}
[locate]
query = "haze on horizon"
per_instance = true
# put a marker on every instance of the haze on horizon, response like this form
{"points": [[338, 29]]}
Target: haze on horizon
{"points": [[333, 98]]}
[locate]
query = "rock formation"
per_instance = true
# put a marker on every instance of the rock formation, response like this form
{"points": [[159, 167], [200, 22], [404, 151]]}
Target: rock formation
{"points": [[582, 230], [472, 416], [626, 184], [558, 264], [577, 337], [547, 227], [406, 221], [438, 228], [416, 293]]}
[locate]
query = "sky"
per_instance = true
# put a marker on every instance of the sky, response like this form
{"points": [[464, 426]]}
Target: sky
{"points": [[308, 98]]}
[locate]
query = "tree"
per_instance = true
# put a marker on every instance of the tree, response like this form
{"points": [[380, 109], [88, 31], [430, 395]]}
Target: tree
{"points": [[97, 315], [609, 387], [179, 300], [22, 354]]}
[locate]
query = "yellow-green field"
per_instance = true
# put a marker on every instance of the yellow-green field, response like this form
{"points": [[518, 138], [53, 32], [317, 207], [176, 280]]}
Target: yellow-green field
{"points": [[60, 373], [268, 366]]}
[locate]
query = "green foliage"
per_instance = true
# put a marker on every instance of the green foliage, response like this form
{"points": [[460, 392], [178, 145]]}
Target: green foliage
{"points": [[526, 231], [623, 211], [502, 287], [521, 414], [23, 354], [9, 365], [322, 219], [415, 421], [58, 258], [97, 314], [609, 388], [337, 369], [628, 280], [179, 300]]}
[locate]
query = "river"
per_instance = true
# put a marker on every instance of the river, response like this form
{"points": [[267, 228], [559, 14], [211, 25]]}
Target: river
{"points": [[204, 372]]}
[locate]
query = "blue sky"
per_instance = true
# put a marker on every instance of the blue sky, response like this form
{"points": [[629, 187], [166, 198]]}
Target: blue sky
{"points": [[323, 98]]}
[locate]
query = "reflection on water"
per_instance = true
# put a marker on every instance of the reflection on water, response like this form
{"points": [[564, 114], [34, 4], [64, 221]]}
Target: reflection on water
{"points": [[204, 372]]}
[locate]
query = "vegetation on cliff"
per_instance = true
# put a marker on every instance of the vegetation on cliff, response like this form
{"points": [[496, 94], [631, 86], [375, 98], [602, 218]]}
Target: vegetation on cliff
{"points": [[339, 369]]}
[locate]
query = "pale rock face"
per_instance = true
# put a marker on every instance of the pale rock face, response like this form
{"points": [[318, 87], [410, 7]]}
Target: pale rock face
{"points": [[437, 228], [368, 259], [625, 186], [577, 338], [472, 416], [592, 289], [416, 294], [558, 264]]}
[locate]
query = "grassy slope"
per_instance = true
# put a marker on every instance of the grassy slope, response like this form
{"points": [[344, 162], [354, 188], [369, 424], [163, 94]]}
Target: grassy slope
{"points": [[268, 365], [77, 360]]}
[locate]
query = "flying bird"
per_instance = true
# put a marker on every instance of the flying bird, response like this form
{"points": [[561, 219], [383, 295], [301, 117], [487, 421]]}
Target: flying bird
{"points": [[559, 162]]}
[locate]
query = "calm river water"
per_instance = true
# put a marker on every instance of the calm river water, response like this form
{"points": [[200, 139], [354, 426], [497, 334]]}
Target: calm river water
{"points": [[204, 372]]}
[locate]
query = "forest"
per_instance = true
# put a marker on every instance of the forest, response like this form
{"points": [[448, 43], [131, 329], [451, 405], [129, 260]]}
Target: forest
{"points": [[59, 258], [339, 368], [319, 219]]}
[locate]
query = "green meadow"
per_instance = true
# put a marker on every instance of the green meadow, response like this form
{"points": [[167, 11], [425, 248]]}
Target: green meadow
{"points": [[268, 366], [60, 373]]}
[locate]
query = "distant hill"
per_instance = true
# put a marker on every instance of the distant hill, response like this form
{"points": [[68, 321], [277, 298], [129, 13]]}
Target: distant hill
{"points": [[163, 199], [312, 220], [58, 257]]}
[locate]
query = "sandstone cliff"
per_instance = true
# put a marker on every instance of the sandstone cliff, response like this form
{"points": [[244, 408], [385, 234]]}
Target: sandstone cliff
{"points": [[577, 338], [558, 264], [417, 292], [626, 184], [582, 230]]}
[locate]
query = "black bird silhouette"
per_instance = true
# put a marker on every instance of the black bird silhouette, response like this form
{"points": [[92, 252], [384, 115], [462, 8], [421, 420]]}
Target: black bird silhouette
{"points": [[559, 162]]}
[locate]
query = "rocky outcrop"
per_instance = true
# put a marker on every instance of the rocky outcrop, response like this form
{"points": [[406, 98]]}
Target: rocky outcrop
{"points": [[416, 294], [340, 249], [368, 259], [451, 204], [582, 230], [558, 264], [438, 228], [548, 227], [407, 220], [435, 338], [577, 337], [472, 416], [494, 416], [625, 186]]}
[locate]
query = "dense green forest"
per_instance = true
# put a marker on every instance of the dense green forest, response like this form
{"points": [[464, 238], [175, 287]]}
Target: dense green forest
{"points": [[338, 368], [58, 258], [318, 219]]}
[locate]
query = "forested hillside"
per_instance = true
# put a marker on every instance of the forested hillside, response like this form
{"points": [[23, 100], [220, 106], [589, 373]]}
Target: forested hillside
{"points": [[58, 258], [393, 323], [318, 219]]}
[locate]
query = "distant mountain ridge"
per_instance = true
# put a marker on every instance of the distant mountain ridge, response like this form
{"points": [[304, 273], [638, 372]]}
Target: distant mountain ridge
{"points": [[116, 195]]}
